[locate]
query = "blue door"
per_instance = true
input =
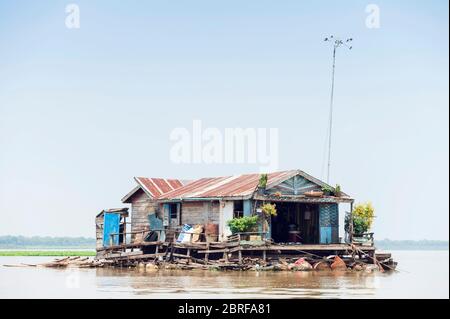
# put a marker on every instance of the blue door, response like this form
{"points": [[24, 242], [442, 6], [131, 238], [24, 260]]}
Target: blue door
{"points": [[329, 223], [325, 235], [111, 226]]}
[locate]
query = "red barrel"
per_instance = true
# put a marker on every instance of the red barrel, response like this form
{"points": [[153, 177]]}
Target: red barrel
{"points": [[211, 232]]}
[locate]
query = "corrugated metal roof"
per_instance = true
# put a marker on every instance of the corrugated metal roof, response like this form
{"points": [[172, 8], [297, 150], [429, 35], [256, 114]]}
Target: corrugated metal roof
{"points": [[158, 186], [155, 187], [227, 186], [241, 186]]}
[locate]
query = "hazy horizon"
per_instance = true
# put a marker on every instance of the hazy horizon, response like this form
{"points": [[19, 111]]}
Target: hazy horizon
{"points": [[83, 111], [93, 237]]}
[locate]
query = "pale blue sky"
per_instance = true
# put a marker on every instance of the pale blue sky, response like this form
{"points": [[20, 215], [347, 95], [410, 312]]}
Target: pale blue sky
{"points": [[84, 110]]}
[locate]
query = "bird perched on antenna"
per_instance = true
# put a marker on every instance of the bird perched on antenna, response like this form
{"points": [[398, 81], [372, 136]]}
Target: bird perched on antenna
{"points": [[338, 42]]}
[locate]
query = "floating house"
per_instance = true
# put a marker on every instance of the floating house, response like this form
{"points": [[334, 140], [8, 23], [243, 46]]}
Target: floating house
{"points": [[189, 219], [303, 217]]}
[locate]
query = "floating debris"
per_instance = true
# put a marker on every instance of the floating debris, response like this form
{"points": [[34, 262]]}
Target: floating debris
{"points": [[77, 261]]}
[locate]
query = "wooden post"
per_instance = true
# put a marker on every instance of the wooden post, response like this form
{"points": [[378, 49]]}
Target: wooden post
{"points": [[124, 230], [240, 256], [207, 254], [351, 224], [264, 255]]}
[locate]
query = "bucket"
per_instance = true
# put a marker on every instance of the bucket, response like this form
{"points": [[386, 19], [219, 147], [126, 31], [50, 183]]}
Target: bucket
{"points": [[294, 236]]}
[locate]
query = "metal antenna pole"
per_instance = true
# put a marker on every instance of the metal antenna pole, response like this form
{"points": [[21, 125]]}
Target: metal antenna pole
{"points": [[331, 114], [337, 43]]}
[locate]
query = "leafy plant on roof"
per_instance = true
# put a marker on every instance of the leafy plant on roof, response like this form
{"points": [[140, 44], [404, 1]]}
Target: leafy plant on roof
{"points": [[263, 181], [327, 190], [337, 190], [332, 191]]}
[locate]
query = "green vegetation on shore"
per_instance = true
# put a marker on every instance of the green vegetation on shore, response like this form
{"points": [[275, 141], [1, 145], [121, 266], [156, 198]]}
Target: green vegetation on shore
{"points": [[46, 242], [67, 246], [46, 253]]}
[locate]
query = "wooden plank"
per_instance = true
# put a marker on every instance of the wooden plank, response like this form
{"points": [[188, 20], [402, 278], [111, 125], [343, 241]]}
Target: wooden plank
{"points": [[212, 251], [137, 257], [337, 247], [134, 245]]}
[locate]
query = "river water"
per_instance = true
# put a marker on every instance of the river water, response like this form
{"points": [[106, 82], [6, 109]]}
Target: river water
{"points": [[422, 274]]}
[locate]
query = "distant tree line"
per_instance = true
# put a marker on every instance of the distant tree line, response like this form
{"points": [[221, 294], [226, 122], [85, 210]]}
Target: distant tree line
{"points": [[7, 242], [12, 242], [424, 244]]}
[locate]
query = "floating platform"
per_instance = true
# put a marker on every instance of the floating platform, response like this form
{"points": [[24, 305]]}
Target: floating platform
{"points": [[236, 253]]}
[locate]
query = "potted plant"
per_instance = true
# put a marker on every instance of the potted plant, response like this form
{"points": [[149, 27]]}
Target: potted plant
{"points": [[262, 184], [362, 215], [327, 190], [243, 225], [337, 190], [277, 194]]}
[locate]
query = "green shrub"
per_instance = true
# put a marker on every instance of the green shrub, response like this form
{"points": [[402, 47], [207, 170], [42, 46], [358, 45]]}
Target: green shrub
{"points": [[363, 215], [243, 224]]}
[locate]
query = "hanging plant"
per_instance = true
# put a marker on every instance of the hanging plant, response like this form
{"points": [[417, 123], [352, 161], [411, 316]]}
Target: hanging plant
{"points": [[269, 209]]}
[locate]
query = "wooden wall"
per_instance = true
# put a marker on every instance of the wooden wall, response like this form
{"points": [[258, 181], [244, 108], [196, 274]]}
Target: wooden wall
{"points": [[99, 231], [200, 212], [141, 206]]}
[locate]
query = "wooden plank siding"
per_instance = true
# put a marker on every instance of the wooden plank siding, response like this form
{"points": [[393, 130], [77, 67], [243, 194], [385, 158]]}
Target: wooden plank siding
{"points": [[99, 231], [200, 212], [141, 206]]}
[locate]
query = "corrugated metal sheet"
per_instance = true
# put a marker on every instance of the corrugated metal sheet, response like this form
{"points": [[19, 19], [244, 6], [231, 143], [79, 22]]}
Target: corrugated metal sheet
{"points": [[154, 187], [226, 186], [158, 186], [218, 187]]}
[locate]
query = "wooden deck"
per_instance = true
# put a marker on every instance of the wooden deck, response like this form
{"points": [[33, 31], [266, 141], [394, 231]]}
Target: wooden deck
{"points": [[235, 254], [132, 252]]}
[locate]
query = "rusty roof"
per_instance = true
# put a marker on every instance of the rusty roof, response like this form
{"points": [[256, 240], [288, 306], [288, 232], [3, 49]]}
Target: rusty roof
{"points": [[154, 187], [231, 186]]}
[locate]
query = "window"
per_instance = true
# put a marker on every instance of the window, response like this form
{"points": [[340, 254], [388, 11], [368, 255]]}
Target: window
{"points": [[238, 211], [173, 211]]}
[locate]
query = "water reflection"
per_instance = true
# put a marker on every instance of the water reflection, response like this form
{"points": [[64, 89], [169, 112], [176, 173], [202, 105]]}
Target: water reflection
{"points": [[413, 281], [198, 283]]}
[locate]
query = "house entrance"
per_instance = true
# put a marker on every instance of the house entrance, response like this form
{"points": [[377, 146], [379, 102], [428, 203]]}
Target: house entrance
{"points": [[295, 222]]}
